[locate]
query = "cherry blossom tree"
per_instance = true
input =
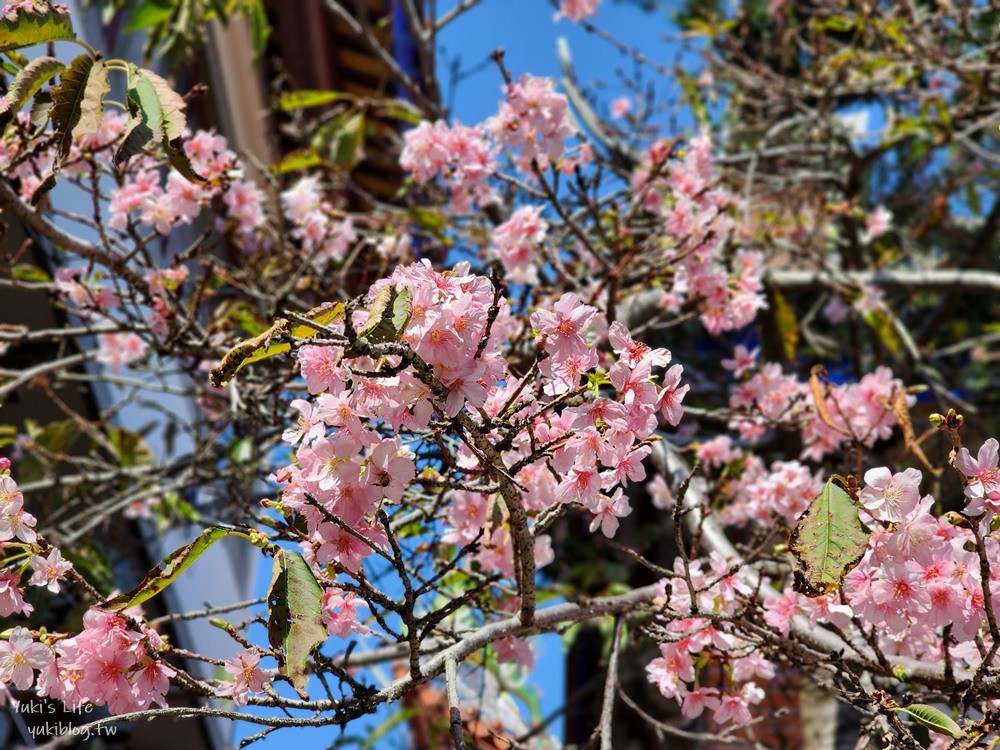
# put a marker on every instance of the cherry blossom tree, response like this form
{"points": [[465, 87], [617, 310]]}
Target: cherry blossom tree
{"points": [[746, 362]]}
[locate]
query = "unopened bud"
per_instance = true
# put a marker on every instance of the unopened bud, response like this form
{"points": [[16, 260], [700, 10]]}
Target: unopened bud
{"points": [[258, 538], [995, 523], [220, 624], [4, 463], [956, 519], [969, 546], [780, 549], [937, 420]]}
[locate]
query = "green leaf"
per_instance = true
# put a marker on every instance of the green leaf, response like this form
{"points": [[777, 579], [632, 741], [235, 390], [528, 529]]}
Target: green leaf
{"points": [[839, 23], [400, 109], [260, 347], [389, 313], [883, 326], [430, 220], [295, 619], [138, 132], [347, 144], [179, 160], [293, 100], [828, 541], [25, 29], [25, 85], [297, 161], [70, 100], [156, 114], [67, 101], [788, 325], [260, 30], [150, 13], [28, 272], [168, 570], [241, 451], [934, 719]]}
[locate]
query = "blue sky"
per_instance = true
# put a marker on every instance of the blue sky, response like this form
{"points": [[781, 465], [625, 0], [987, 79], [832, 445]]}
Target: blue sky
{"points": [[527, 33]]}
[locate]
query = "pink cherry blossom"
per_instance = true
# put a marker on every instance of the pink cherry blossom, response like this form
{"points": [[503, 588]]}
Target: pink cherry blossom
{"points": [[889, 497], [248, 677], [983, 487], [608, 511], [20, 655], [577, 10], [320, 368], [11, 595], [49, 570], [563, 327], [672, 395], [340, 613], [621, 107], [878, 223], [743, 359]]}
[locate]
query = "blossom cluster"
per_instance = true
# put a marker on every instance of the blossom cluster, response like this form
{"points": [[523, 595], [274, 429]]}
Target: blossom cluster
{"points": [[112, 661], [461, 155], [920, 573], [696, 226], [689, 642], [532, 123], [359, 434], [861, 411], [323, 238]]}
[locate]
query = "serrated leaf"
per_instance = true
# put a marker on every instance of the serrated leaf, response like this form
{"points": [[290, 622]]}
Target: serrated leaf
{"points": [[156, 115], [137, 132], [67, 102], [260, 347], [828, 541], [293, 100], [934, 719], [72, 98], [295, 616], [168, 570], [92, 105], [25, 85], [388, 316], [22, 29], [155, 92]]}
